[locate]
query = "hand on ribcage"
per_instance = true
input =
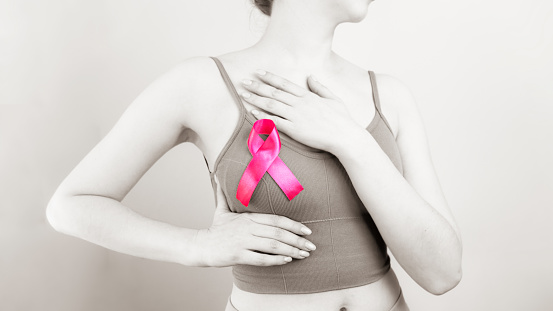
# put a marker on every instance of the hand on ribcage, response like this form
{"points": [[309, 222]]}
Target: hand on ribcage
{"points": [[251, 238]]}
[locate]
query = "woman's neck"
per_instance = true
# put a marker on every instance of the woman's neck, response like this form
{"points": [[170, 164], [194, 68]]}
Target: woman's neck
{"points": [[298, 36]]}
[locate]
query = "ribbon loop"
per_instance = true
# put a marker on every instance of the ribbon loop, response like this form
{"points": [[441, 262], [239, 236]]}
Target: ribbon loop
{"points": [[265, 159]]}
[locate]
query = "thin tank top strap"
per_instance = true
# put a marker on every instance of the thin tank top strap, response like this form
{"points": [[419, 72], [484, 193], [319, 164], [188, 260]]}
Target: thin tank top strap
{"points": [[229, 84], [376, 99], [241, 119]]}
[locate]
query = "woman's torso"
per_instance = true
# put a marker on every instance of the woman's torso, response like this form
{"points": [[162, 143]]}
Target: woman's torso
{"points": [[378, 295]]}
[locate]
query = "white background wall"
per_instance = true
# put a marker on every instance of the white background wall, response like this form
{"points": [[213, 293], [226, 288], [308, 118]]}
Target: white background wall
{"points": [[481, 71]]}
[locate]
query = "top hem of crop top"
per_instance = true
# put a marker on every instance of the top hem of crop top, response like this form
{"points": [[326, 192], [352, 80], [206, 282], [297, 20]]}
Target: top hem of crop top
{"points": [[350, 250]]}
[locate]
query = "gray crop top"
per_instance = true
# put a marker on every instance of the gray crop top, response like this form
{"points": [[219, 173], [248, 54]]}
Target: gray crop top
{"points": [[350, 250]]}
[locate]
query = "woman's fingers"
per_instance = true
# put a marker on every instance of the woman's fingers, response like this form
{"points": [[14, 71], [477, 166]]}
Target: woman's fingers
{"points": [[271, 105], [259, 259], [269, 91], [279, 221], [276, 247], [281, 124], [318, 88], [284, 236], [281, 83]]}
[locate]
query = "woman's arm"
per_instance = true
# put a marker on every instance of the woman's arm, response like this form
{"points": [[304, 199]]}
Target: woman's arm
{"points": [[410, 211], [88, 205]]}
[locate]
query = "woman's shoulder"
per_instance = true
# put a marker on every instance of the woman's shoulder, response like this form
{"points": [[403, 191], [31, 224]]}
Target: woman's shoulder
{"points": [[193, 67], [190, 75], [193, 84], [390, 83], [396, 101], [187, 79], [394, 92]]}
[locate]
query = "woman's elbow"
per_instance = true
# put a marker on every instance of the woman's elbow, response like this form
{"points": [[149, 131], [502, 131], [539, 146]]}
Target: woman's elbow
{"points": [[447, 275], [444, 284], [56, 217]]}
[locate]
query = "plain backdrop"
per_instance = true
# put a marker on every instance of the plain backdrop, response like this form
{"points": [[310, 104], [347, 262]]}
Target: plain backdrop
{"points": [[481, 71]]}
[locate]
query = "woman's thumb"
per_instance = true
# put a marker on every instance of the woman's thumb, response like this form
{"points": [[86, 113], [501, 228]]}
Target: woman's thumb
{"points": [[316, 87]]}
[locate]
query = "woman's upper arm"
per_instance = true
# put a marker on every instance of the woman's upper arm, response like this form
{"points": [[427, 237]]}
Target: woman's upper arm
{"points": [[156, 121], [413, 146]]}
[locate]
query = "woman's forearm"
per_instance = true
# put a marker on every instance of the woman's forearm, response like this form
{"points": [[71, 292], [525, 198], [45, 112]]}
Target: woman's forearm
{"points": [[109, 223], [423, 241]]}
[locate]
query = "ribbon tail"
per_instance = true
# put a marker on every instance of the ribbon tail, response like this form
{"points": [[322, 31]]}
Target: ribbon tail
{"points": [[284, 178], [251, 177]]}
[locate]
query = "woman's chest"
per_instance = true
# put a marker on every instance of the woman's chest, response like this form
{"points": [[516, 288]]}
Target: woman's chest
{"points": [[327, 190]]}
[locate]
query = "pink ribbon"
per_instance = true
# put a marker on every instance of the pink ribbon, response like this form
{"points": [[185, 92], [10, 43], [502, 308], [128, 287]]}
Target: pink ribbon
{"points": [[266, 159]]}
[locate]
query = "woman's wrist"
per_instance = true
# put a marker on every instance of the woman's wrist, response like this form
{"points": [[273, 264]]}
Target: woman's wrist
{"points": [[190, 249], [348, 142]]}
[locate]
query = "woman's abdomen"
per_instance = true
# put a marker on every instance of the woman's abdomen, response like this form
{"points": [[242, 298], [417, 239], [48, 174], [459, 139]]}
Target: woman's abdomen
{"points": [[380, 295]]}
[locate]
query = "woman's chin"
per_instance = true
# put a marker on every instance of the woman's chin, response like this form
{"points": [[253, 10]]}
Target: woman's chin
{"points": [[356, 18]]}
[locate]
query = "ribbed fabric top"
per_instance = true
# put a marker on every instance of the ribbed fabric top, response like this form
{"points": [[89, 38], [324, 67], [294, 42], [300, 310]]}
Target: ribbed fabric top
{"points": [[350, 250]]}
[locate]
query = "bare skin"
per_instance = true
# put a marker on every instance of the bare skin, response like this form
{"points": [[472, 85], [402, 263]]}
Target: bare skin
{"points": [[182, 106]]}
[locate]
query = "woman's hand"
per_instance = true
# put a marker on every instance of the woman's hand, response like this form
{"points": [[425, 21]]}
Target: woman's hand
{"points": [[316, 118], [251, 238]]}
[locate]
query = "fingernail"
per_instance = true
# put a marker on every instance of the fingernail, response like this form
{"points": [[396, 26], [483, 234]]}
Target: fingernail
{"points": [[304, 253], [246, 95], [311, 246], [247, 82], [304, 229], [287, 259], [255, 112], [261, 72], [314, 78]]}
